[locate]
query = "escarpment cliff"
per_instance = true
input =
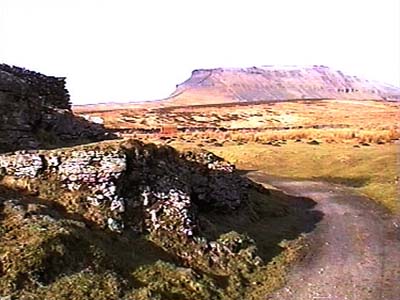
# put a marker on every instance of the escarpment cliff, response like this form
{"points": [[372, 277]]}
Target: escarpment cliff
{"points": [[35, 112], [276, 83]]}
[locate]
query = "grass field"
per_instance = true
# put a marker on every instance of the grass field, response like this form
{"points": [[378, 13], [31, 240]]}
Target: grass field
{"points": [[371, 170], [355, 115]]}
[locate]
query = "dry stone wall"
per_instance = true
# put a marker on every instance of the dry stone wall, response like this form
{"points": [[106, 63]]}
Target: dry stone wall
{"points": [[35, 112], [49, 90]]}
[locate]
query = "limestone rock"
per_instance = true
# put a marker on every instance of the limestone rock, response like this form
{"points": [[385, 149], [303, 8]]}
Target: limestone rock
{"points": [[150, 187]]}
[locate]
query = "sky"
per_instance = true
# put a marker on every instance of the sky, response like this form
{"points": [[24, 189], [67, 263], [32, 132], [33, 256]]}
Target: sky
{"points": [[125, 50]]}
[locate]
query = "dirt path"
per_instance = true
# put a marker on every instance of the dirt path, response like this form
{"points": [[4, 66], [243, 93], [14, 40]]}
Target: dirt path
{"points": [[355, 249]]}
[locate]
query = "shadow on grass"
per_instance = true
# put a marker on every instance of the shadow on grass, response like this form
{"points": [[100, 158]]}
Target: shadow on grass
{"points": [[244, 172], [356, 182], [269, 217]]}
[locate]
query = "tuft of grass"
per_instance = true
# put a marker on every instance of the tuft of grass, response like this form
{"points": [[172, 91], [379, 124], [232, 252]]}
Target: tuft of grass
{"points": [[84, 285], [171, 282]]}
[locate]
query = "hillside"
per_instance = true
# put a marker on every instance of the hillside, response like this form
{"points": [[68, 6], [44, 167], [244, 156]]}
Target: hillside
{"points": [[275, 83]]}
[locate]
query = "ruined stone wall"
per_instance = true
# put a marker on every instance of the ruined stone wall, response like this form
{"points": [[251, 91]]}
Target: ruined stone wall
{"points": [[48, 90], [35, 112], [154, 180]]}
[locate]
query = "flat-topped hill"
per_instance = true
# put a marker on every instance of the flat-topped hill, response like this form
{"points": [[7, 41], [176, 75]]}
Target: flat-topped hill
{"points": [[276, 83]]}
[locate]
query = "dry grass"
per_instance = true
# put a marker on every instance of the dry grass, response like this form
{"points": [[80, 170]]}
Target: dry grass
{"points": [[328, 121], [363, 115], [338, 135], [112, 266]]}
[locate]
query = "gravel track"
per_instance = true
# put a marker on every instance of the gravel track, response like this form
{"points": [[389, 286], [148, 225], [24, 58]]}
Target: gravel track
{"points": [[354, 250]]}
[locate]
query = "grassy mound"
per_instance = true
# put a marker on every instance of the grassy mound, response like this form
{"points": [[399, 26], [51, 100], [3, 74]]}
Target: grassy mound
{"points": [[50, 248]]}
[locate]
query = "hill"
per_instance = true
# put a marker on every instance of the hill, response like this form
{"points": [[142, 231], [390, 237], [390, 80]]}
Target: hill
{"points": [[276, 83]]}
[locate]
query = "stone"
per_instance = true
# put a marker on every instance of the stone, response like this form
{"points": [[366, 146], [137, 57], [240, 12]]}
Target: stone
{"points": [[15, 207], [118, 205], [115, 225]]}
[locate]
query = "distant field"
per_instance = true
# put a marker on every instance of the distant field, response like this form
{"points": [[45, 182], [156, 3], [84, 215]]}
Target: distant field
{"points": [[373, 170], [329, 113], [354, 141]]}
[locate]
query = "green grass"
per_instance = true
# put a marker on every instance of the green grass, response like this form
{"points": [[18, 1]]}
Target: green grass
{"points": [[61, 258], [371, 170]]}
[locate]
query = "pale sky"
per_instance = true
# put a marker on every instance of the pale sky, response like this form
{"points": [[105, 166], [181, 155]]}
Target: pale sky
{"points": [[126, 50]]}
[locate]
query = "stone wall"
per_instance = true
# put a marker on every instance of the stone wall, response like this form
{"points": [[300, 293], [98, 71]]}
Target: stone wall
{"points": [[49, 90], [35, 112], [154, 179]]}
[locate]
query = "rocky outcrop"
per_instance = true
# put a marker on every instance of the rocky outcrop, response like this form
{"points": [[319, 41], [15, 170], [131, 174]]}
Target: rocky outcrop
{"points": [[157, 180], [274, 83], [137, 188], [35, 112]]}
